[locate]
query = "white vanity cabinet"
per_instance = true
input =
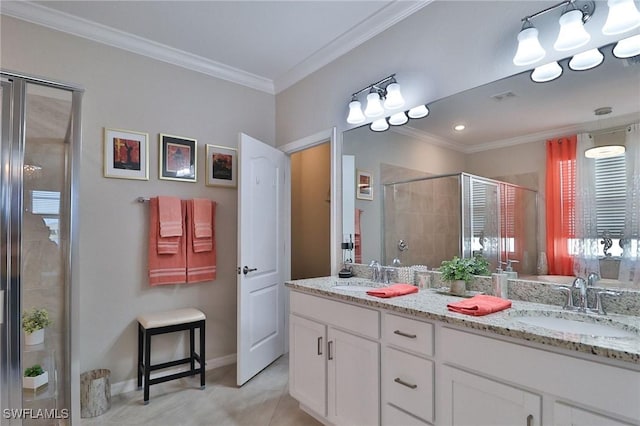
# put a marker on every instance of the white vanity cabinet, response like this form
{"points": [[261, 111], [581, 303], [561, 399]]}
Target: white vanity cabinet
{"points": [[407, 371], [334, 361]]}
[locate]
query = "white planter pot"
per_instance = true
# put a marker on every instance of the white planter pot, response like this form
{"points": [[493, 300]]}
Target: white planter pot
{"points": [[458, 287], [35, 382], [35, 338]]}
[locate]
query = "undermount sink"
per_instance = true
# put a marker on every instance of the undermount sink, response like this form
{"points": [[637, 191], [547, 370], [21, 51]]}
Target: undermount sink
{"points": [[353, 287], [575, 323]]}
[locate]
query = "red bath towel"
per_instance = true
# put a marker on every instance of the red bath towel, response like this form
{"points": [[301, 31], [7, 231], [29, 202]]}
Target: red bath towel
{"points": [[393, 290], [482, 304], [201, 265], [165, 268]]}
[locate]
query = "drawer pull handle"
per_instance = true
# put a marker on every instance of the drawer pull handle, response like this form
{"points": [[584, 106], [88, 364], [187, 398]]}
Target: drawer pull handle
{"points": [[320, 345], [400, 333], [530, 420], [329, 349], [403, 383]]}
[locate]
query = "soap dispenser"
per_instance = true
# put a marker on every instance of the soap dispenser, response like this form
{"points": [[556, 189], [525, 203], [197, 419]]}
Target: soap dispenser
{"points": [[511, 274], [500, 283]]}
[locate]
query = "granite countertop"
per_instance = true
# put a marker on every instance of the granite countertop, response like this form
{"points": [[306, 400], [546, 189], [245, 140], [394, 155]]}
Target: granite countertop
{"points": [[429, 304]]}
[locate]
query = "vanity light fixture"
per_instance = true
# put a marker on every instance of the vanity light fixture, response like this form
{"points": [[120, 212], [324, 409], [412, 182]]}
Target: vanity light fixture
{"points": [[586, 60], [398, 119], [387, 90], [623, 16], [547, 72], [627, 47], [529, 50], [572, 33]]}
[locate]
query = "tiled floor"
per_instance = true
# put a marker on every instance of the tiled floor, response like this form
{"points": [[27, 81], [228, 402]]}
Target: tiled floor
{"points": [[263, 401]]}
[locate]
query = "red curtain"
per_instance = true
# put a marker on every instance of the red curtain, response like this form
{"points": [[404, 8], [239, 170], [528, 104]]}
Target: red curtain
{"points": [[560, 203]]}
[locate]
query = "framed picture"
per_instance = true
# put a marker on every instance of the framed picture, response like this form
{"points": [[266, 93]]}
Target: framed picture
{"points": [[222, 166], [178, 157], [364, 185], [126, 154]]}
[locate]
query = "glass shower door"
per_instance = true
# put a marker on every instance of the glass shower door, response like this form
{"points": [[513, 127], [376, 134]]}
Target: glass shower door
{"points": [[38, 128]]}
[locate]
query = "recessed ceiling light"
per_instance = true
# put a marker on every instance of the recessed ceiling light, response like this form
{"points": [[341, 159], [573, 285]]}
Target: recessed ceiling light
{"points": [[458, 127]]}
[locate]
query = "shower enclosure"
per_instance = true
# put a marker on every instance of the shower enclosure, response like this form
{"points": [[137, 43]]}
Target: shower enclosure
{"points": [[435, 218], [39, 149]]}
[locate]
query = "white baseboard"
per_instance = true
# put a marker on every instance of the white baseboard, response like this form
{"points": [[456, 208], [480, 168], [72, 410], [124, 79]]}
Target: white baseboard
{"points": [[210, 364]]}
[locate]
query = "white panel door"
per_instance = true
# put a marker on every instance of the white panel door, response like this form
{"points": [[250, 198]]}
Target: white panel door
{"points": [[260, 315]]}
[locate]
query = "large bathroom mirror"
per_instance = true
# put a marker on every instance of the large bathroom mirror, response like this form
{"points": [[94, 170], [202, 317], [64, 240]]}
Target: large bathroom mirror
{"points": [[506, 125]]}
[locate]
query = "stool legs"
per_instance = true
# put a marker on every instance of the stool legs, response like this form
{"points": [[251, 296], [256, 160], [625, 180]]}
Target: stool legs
{"points": [[147, 365], [202, 355], [140, 348]]}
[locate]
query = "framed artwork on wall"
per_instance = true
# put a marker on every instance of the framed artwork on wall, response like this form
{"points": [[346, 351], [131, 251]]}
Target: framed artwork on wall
{"points": [[178, 157], [364, 185], [126, 154], [222, 166]]}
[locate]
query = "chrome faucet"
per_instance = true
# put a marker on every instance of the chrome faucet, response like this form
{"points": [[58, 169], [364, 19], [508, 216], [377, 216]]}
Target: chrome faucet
{"points": [[581, 285], [592, 279], [376, 271]]}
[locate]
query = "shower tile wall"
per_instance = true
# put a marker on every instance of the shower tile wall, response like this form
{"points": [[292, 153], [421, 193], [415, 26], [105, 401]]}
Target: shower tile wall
{"points": [[426, 214]]}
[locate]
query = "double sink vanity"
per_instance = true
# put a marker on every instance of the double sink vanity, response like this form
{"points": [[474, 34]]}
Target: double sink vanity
{"points": [[356, 359]]}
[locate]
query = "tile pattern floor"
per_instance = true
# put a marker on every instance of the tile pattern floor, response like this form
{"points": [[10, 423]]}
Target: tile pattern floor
{"points": [[263, 401]]}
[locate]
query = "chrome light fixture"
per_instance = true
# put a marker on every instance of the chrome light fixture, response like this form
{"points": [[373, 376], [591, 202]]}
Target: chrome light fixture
{"points": [[387, 90], [529, 50], [586, 60], [547, 72], [623, 16], [627, 47], [572, 33], [355, 112]]}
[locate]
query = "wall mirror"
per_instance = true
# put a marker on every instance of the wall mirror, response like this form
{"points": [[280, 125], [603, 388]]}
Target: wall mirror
{"points": [[506, 124]]}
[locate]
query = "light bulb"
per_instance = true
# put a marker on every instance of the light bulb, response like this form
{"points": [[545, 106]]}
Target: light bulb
{"points": [[529, 48], [394, 97], [623, 16], [572, 33], [419, 111], [547, 72], [627, 47], [355, 113], [586, 60], [380, 125], [398, 119], [374, 106]]}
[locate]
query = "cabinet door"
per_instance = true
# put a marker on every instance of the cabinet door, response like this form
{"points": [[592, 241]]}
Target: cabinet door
{"points": [[307, 363], [566, 415], [353, 369], [475, 400]]}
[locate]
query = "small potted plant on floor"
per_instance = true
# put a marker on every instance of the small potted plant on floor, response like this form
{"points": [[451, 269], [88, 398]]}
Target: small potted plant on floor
{"points": [[34, 377], [460, 271], [33, 323]]}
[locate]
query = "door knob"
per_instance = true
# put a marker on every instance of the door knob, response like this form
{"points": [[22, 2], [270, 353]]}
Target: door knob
{"points": [[246, 270]]}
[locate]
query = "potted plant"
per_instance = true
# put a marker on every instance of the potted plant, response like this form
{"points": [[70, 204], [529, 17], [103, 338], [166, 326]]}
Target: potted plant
{"points": [[460, 271], [33, 324], [34, 377]]}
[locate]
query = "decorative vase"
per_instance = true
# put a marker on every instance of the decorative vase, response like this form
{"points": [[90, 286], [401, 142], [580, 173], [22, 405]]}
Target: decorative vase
{"points": [[35, 382], [458, 287], [35, 338]]}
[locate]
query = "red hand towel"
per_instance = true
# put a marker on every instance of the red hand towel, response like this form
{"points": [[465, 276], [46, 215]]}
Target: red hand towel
{"points": [[165, 268], [482, 304], [170, 214], [201, 266], [202, 227], [393, 290]]}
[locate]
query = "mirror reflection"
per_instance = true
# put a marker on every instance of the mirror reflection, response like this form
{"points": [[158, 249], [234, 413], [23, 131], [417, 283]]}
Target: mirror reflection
{"points": [[507, 126]]}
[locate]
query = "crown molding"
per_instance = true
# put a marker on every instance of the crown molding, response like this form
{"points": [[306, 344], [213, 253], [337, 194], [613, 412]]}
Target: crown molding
{"points": [[354, 37], [64, 22], [428, 138]]}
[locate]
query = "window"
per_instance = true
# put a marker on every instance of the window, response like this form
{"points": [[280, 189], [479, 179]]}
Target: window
{"points": [[610, 194], [47, 204]]}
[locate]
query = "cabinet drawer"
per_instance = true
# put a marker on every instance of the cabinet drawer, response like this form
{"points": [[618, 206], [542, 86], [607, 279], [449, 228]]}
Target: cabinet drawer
{"points": [[410, 334], [407, 382], [363, 321], [391, 416]]}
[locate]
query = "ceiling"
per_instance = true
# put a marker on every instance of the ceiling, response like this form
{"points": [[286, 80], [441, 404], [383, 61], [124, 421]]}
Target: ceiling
{"points": [[267, 45]]}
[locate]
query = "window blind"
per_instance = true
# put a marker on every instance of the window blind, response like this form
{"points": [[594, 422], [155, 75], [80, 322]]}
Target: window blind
{"points": [[610, 193], [45, 202]]}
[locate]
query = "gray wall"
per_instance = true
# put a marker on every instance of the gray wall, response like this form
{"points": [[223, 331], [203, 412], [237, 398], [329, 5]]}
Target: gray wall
{"points": [[127, 91]]}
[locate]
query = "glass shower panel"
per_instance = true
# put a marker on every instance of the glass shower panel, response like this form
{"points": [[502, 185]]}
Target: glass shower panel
{"points": [[45, 242], [484, 214]]}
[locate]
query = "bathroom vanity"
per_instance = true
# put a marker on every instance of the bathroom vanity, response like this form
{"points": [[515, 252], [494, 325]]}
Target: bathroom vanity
{"points": [[357, 359]]}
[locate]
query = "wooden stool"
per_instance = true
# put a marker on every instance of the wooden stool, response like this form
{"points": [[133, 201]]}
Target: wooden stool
{"points": [[168, 322]]}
